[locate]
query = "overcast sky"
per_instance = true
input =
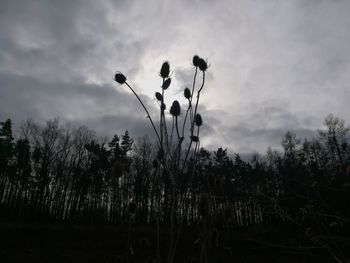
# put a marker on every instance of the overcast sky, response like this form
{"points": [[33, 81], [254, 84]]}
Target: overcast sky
{"points": [[274, 65]]}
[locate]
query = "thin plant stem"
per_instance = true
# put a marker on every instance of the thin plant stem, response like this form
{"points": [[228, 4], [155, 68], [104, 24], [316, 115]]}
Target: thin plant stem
{"points": [[172, 132], [164, 125], [161, 118], [198, 94], [192, 92], [190, 104], [144, 107], [184, 123], [192, 123]]}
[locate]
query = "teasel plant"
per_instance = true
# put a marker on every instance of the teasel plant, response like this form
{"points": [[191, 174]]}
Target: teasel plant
{"points": [[173, 160]]}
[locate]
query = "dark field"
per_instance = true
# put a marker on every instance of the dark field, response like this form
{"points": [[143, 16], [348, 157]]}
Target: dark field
{"points": [[24, 242]]}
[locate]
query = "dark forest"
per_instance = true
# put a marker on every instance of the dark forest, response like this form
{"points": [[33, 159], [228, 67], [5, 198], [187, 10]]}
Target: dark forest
{"points": [[171, 199]]}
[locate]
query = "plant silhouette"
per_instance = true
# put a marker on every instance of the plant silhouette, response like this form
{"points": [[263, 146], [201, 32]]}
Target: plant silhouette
{"points": [[198, 201]]}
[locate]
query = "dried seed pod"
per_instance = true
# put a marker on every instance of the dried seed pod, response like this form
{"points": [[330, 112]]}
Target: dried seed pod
{"points": [[120, 78], [187, 93], [159, 96], [194, 138], [195, 60], [198, 120], [164, 71], [202, 64], [175, 108], [172, 111], [166, 83], [163, 107]]}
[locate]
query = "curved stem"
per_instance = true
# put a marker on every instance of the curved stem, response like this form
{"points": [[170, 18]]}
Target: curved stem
{"points": [[197, 144], [192, 123], [172, 132], [184, 123], [161, 117], [144, 107], [190, 104], [192, 92], [177, 128], [199, 91], [164, 125], [179, 144], [195, 152]]}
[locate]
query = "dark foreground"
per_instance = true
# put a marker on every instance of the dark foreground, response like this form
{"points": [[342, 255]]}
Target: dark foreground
{"points": [[52, 243]]}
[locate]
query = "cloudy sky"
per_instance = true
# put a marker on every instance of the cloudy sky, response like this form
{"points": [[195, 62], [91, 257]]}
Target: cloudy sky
{"points": [[274, 65]]}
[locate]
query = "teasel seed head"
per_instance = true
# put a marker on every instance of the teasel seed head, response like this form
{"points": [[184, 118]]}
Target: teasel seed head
{"points": [[194, 138], [198, 120], [166, 83], [120, 78], [159, 96], [175, 108], [171, 110], [165, 70], [187, 93], [202, 64], [195, 60]]}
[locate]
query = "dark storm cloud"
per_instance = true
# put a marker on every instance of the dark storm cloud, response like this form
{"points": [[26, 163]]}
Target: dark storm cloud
{"points": [[106, 109], [275, 65], [51, 53], [64, 40]]}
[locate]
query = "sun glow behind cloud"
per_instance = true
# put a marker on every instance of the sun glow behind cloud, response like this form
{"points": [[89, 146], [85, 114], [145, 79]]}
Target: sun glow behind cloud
{"points": [[274, 65]]}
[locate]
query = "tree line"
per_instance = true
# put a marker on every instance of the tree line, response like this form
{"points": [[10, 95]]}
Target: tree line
{"points": [[61, 173]]}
